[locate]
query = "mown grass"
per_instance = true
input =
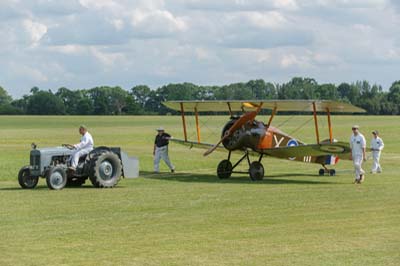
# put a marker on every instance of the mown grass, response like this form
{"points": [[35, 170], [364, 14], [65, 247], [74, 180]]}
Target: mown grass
{"points": [[292, 217]]}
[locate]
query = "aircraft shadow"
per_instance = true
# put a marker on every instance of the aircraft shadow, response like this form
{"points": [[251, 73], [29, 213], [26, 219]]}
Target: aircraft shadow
{"points": [[236, 179]]}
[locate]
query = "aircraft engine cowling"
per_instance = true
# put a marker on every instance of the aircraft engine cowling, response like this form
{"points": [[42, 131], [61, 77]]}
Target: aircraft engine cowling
{"points": [[232, 142], [247, 136]]}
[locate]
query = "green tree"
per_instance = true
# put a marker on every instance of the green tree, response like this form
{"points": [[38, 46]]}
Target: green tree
{"points": [[141, 94], [132, 107], [71, 99], [118, 100], [327, 92], [298, 88], [101, 100], [394, 97], [349, 93], [5, 98], [85, 107], [21, 104], [234, 91], [45, 103]]}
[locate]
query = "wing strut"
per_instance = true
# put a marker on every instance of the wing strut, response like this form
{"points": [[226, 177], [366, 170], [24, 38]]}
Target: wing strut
{"points": [[329, 125], [183, 121], [197, 124], [271, 117], [315, 121], [230, 108]]}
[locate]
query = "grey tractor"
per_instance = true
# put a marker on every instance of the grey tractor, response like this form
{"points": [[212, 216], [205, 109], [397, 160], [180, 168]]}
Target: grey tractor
{"points": [[103, 166]]}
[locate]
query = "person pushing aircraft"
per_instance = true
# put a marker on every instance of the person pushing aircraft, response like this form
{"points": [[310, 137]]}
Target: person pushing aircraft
{"points": [[160, 150]]}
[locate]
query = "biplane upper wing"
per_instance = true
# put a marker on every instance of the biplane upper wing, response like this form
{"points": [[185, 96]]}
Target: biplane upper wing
{"points": [[341, 149], [249, 105]]}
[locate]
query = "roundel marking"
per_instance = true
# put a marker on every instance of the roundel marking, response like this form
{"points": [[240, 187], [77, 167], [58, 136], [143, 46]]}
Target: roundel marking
{"points": [[332, 148], [291, 143]]}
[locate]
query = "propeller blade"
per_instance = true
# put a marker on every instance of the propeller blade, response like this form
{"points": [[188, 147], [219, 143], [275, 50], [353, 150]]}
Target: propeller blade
{"points": [[209, 151], [238, 124]]}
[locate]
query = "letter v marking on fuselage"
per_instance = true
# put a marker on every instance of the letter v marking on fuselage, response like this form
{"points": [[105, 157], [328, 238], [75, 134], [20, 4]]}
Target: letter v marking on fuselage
{"points": [[278, 142]]}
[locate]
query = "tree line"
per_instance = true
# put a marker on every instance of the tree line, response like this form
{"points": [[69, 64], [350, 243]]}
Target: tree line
{"points": [[141, 100]]}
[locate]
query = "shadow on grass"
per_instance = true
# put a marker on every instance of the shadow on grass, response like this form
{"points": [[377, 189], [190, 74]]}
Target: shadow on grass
{"points": [[238, 179], [44, 187]]}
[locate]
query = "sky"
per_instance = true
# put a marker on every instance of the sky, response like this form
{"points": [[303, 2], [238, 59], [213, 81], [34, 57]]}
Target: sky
{"points": [[81, 44]]}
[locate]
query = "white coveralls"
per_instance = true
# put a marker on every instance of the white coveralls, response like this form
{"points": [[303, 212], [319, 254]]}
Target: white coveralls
{"points": [[357, 143], [376, 147], [162, 153], [82, 148]]}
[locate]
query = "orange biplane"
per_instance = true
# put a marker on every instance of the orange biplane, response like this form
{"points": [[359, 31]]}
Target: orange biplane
{"points": [[245, 134]]}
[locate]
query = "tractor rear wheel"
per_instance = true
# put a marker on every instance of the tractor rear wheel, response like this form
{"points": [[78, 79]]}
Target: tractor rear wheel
{"points": [[56, 178], [25, 179], [106, 170]]}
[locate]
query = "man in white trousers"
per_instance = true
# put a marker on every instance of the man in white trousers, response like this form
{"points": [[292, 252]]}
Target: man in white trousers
{"points": [[357, 146], [160, 150], [82, 148], [376, 148]]}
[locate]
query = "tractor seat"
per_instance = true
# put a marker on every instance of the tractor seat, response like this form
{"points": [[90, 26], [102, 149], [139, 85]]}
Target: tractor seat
{"points": [[83, 158]]}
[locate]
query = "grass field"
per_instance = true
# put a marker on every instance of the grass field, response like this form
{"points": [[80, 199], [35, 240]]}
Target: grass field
{"points": [[292, 217]]}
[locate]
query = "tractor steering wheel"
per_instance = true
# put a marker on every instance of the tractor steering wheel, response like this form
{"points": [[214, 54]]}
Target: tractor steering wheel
{"points": [[68, 146]]}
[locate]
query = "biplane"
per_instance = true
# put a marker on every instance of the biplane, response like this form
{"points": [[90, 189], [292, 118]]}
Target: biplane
{"points": [[243, 133]]}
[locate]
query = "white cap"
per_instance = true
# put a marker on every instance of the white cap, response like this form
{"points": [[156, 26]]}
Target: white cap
{"points": [[160, 129], [355, 126]]}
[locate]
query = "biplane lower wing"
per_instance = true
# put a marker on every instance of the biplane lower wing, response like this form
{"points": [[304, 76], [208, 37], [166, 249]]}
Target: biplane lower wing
{"points": [[194, 144], [206, 146], [340, 149]]}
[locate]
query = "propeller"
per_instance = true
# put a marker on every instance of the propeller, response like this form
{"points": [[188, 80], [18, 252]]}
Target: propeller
{"points": [[238, 124]]}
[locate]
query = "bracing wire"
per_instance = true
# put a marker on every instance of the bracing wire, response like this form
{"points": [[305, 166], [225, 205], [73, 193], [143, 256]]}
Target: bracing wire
{"points": [[289, 118], [301, 126], [207, 132]]}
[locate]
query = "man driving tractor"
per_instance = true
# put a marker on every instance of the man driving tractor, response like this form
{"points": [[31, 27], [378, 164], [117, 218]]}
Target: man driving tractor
{"points": [[82, 148]]}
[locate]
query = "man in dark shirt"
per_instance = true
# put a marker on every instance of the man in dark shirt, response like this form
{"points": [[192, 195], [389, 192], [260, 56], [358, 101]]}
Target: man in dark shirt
{"points": [[160, 150]]}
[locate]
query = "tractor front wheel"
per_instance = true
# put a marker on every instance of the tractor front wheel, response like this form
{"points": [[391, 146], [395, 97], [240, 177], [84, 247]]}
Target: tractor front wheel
{"points": [[25, 179]]}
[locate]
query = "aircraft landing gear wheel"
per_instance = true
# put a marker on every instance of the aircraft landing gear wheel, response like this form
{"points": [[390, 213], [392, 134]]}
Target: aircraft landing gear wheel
{"points": [[256, 171], [321, 172], [332, 172], [224, 169]]}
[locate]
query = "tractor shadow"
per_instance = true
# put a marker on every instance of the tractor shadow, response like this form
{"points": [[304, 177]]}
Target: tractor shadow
{"points": [[45, 188], [276, 179]]}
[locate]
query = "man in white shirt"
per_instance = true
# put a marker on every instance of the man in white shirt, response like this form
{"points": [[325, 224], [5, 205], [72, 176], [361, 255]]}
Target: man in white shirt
{"points": [[82, 148], [376, 148], [357, 146]]}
